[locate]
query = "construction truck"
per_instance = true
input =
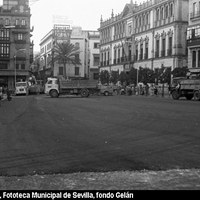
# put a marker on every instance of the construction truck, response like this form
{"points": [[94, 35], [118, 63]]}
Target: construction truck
{"points": [[188, 88], [56, 87]]}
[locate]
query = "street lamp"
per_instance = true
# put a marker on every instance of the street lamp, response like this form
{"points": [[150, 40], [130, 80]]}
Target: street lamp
{"points": [[15, 56]]}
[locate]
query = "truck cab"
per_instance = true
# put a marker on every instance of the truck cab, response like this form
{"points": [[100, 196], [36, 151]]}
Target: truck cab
{"points": [[21, 88], [52, 87]]}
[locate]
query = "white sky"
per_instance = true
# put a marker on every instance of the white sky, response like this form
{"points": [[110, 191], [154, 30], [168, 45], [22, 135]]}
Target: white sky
{"points": [[84, 13]]}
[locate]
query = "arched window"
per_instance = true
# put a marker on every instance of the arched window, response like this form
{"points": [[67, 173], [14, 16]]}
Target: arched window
{"points": [[167, 11], [171, 9], [158, 14], [140, 22], [162, 13], [147, 18], [144, 20]]}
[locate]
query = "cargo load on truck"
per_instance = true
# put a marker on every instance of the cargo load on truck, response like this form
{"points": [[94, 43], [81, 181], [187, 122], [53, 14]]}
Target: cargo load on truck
{"points": [[56, 87]]}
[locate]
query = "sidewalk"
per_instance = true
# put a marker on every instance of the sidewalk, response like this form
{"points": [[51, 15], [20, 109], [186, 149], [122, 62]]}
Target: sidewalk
{"points": [[138, 180]]}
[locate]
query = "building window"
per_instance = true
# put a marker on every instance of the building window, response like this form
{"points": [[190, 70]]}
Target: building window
{"points": [[23, 66], [141, 51], [171, 10], [96, 45], [158, 14], [166, 11], [4, 34], [23, 22], [77, 57], [17, 66], [96, 60], [3, 66], [19, 36], [77, 71], [146, 50], [4, 50], [136, 53], [163, 47], [170, 47], [157, 48], [162, 13], [17, 22], [194, 59], [61, 71], [7, 22]]}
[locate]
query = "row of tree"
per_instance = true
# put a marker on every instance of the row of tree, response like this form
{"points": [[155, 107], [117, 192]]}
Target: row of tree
{"points": [[144, 75]]}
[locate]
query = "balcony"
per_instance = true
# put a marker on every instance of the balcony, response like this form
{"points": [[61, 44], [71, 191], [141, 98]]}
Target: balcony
{"points": [[20, 41], [195, 15], [194, 41]]}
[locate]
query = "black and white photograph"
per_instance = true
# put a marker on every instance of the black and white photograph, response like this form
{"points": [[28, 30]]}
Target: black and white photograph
{"points": [[99, 97]]}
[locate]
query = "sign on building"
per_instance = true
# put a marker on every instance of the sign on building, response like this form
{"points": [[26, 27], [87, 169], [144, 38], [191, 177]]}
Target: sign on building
{"points": [[62, 33]]}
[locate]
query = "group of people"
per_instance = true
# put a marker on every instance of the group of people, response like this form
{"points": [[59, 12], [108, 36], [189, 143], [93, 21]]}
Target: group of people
{"points": [[4, 90], [140, 89]]}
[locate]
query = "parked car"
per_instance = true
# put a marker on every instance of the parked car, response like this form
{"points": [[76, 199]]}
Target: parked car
{"points": [[106, 90]]}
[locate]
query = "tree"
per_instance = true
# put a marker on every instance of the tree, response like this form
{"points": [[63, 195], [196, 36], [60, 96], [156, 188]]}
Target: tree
{"points": [[66, 53], [114, 77], [180, 72], [123, 78], [104, 77]]}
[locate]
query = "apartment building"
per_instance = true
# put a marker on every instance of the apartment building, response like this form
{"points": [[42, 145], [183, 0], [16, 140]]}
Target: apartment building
{"points": [[16, 49], [193, 36], [87, 41], [152, 34]]}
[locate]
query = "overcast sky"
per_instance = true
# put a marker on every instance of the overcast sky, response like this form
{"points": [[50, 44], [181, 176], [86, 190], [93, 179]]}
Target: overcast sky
{"points": [[84, 13]]}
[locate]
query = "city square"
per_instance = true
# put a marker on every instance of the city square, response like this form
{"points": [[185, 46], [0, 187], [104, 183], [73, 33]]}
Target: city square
{"points": [[109, 101]]}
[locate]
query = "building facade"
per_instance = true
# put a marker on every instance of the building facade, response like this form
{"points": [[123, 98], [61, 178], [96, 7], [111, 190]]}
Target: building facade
{"points": [[149, 35], [94, 57], [193, 36], [16, 49], [89, 53]]}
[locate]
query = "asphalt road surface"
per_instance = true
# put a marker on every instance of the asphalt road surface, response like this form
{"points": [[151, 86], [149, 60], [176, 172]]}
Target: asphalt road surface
{"points": [[41, 135]]}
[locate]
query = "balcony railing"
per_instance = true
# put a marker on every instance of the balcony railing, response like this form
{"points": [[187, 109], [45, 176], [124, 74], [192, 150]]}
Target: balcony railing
{"points": [[195, 14]]}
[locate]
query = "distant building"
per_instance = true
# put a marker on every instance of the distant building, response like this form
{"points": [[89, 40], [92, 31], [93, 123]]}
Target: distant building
{"points": [[149, 35], [16, 49], [193, 36], [89, 53]]}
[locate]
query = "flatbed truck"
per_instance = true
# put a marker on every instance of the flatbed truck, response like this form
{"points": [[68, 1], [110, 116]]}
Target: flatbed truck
{"points": [[56, 87]]}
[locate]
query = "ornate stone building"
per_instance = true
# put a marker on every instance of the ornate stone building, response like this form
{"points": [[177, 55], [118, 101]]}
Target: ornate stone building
{"points": [[16, 49], [193, 36], [152, 34]]}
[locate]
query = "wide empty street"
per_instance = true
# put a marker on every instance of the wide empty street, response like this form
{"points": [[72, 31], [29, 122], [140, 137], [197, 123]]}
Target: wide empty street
{"points": [[41, 135]]}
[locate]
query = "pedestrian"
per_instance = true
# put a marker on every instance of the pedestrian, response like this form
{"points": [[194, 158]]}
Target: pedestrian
{"points": [[155, 90], [146, 89]]}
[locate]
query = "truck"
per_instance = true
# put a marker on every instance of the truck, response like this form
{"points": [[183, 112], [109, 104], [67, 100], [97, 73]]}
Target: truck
{"points": [[84, 87], [188, 88]]}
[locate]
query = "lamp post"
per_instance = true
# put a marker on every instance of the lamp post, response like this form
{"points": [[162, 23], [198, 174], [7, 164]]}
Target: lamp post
{"points": [[15, 56]]}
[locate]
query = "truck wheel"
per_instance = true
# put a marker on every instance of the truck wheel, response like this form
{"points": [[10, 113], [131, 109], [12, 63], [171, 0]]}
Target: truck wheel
{"points": [[196, 96], [106, 93], [54, 94], [84, 93], [175, 95]]}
